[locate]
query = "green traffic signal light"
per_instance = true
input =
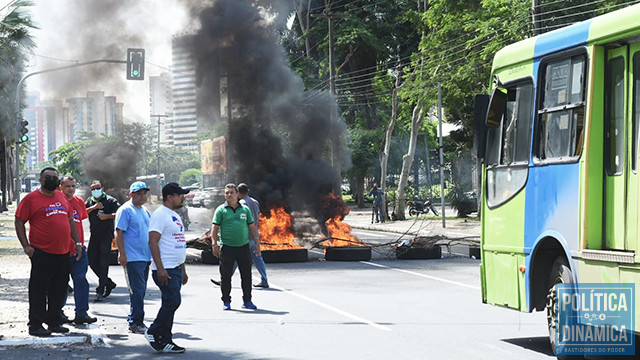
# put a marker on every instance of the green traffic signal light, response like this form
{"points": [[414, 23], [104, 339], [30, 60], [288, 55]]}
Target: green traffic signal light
{"points": [[24, 138], [136, 72]]}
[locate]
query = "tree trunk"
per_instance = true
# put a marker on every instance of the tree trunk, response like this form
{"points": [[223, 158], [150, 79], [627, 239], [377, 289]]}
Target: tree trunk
{"points": [[303, 14], [407, 160], [360, 191], [384, 155]]}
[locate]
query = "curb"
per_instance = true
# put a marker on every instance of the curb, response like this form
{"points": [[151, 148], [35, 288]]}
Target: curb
{"points": [[93, 337]]}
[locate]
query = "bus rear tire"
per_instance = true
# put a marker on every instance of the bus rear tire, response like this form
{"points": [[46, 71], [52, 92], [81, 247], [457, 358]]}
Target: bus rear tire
{"points": [[560, 274]]}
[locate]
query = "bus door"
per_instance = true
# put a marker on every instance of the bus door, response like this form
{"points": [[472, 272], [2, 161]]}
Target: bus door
{"points": [[615, 149], [620, 179], [633, 182]]}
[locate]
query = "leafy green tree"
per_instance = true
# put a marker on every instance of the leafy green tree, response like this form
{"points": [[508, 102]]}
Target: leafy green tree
{"points": [[15, 44], [68, 157], [190, 176]]}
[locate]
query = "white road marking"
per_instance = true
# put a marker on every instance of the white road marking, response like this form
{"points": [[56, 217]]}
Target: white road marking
{"points": [[423, 275], [332, 308]]}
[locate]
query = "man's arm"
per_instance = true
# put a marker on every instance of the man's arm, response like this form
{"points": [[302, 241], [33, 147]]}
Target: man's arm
{"points": [[75, 238], [122, 254], [154, 240], [254, 233], [96, 206], [215, 248], [21, 232]]}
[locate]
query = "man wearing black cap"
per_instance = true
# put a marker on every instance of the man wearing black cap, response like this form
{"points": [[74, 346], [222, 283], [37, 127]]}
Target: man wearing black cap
{"points": [[168, 251]]}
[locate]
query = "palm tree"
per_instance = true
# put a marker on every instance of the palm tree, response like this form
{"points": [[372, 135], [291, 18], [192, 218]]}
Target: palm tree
{"points": [[15, 43]]}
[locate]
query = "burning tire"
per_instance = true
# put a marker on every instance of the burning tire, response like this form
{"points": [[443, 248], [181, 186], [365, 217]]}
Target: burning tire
{"points": [[207, 257], [285, 256], [418, 252], [348, 253]]}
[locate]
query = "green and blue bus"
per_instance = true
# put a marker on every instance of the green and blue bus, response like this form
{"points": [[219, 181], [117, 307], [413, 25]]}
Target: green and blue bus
{"points": [[560, 175]]}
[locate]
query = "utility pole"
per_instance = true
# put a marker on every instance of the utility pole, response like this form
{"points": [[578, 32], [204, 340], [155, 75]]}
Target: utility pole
{"points": [[335, 160], [537, 25], [444, 225], [158, 152]]}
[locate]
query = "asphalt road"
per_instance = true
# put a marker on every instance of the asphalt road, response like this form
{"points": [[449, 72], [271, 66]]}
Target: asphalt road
{"points": [[382, 309]]}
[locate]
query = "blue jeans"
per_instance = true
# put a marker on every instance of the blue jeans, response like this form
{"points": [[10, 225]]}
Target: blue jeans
{"points": [[138, 273], [80, 283], [258, 262], [171, 300]]}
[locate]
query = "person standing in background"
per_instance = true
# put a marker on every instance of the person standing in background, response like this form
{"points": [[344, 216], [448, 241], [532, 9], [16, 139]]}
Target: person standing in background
{"points": [[102, 211], [78, 265]]}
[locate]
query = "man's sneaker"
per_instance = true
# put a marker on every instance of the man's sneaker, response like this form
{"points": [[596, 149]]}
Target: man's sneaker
{"points": [[99, 298], [107, 291], [41, 332], [153, 342], [226, 306], [58, 329], [249, 305], [86, 319], [216, 282], [137, 328], [64, 319], [173, 348], [261, 285]]}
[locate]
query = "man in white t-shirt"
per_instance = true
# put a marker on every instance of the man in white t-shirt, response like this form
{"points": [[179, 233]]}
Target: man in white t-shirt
{"points": [[168, 252]]}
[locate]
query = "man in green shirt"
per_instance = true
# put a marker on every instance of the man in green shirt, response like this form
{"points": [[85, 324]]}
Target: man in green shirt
{"points": [[234, 221]]}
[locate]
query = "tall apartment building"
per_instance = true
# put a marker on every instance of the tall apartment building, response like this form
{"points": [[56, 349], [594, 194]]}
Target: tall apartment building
{"points": [[52, 124], [161, 101], [94, 113], [185, 120]]}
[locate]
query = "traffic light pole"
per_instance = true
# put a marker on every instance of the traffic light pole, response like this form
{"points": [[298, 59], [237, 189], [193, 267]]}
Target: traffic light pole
{"points": [[17, 182]]}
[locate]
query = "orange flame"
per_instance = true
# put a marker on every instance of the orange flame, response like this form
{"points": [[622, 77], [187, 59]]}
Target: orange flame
{"points": [[339, 232], [276, 231]]}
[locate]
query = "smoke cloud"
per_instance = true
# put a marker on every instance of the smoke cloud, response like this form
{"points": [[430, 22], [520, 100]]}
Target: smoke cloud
{"points": [[279, 136]]}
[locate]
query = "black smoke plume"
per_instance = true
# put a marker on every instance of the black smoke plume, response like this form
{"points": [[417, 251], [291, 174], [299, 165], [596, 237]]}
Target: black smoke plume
{"points": [[279, 137]]}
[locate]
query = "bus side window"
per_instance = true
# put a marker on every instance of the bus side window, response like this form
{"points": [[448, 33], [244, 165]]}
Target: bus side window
{"points": [[561, 119], [509, 144]]}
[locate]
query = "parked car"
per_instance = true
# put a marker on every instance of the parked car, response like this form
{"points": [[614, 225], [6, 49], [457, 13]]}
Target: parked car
{"points": [[213, 197], [198, 198], [188, 198]]}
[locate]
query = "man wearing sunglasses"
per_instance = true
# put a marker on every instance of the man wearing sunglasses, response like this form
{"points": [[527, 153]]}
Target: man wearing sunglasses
{"points": [[51, 233]]}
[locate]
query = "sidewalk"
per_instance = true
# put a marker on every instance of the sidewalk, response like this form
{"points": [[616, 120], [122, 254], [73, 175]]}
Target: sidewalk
{"points": [[456, 229]]}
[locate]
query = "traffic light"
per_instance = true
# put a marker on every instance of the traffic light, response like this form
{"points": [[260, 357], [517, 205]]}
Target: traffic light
{"points": [[23, 131], [135, 64]]}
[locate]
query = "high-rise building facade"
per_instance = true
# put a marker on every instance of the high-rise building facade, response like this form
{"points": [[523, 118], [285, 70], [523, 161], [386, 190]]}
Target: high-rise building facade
{"points": [[161, 101], [185, 119]]}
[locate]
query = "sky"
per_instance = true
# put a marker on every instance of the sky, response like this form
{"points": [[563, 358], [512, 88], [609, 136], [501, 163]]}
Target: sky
{"points": [[84, 30]]}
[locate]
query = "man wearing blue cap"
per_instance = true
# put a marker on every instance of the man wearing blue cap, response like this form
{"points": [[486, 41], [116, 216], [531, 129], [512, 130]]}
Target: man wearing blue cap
{"points": [[101, 209], [132, 237]]}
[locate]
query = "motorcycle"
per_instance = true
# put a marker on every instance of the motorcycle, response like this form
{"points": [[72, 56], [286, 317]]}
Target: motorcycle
{"points": [[421, 207]]}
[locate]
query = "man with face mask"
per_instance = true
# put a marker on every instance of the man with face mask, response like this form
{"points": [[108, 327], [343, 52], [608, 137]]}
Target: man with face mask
{"points": [[102, 212], [52, 232]]}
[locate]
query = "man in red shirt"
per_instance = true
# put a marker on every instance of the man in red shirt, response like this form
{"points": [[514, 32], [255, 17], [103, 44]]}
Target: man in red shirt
{"points": [[78, 266], [51, 234]]}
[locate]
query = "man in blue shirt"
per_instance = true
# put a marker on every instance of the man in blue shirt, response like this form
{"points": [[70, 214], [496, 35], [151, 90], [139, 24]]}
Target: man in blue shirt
{"points": [[132, 237], [377, 194]]}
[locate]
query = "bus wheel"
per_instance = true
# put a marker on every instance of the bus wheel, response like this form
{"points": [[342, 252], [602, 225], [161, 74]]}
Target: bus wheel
{"points": [[560, 274]]}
